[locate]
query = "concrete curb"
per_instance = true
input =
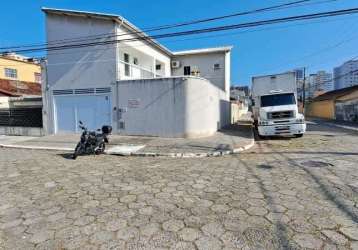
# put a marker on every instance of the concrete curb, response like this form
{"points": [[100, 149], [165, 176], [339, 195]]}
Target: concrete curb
{"points": [[35, 147], [197, 155], [148, 154]]}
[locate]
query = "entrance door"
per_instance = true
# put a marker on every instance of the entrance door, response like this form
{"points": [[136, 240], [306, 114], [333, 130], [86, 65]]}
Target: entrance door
{"points": [[93, 110]]}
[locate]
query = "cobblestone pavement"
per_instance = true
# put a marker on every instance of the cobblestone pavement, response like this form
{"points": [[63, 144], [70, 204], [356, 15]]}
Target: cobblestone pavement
{"points": [[283, 194]]}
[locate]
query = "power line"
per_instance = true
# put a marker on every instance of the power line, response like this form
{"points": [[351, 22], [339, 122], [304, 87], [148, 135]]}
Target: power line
{"points": [[201, 31], [208, 36], [299, 3], [181, 40]]}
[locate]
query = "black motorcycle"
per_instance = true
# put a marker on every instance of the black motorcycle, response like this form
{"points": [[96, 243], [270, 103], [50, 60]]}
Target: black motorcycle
{"points": [[92, 142]]}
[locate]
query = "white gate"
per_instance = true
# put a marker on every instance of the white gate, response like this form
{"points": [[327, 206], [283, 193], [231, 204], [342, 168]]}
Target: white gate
{"points": [[92, 108]]}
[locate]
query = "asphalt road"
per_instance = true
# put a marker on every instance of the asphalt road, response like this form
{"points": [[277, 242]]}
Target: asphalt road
{"points": [[282, 194]]}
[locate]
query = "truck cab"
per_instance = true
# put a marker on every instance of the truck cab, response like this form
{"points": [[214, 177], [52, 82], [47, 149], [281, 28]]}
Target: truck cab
{"points": [[275, 106]]}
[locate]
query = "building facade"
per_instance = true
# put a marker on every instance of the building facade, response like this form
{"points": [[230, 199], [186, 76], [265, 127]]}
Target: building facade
{"points": [[341, 104], [319, 83], [346, 75], [134, 83], [19, 75], [19, 68]]}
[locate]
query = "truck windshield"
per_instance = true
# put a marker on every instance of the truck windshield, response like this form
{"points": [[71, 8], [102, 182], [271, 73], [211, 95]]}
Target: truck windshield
{"points": [[278, 100]]}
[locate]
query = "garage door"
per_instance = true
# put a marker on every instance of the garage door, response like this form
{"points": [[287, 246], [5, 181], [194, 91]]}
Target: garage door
{"points": [[93, 110]]}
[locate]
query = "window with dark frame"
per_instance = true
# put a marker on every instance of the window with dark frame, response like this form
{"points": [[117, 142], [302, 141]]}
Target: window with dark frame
{"points": [[158, 67], [126, 65], [187, 71], [135, 61]]}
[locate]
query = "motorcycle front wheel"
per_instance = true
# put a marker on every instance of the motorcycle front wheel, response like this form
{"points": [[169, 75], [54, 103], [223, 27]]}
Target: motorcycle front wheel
{"points": [[77, 151]]}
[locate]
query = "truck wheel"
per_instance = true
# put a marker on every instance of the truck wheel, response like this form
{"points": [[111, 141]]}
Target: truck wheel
{"points": [[298, 135]]}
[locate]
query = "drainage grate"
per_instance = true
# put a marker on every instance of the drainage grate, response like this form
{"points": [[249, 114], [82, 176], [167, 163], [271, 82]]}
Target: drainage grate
{"points": [[316, 164]]}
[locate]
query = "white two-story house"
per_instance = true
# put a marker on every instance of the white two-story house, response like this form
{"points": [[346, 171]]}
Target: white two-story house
{"points": [[132, 82]]}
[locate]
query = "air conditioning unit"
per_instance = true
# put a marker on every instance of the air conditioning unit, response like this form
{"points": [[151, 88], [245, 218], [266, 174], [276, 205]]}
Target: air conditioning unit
{"points": [[175, 64]]}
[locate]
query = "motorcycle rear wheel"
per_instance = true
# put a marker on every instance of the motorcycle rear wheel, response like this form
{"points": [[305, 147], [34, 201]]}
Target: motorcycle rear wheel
{"points": [[101, 148]]}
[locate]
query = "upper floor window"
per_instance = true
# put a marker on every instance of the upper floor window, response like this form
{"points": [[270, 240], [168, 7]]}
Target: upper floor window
{"points": [[126, 65], [11, 73], [135, 61], [187, 71], [158, 67], [38, 77]]}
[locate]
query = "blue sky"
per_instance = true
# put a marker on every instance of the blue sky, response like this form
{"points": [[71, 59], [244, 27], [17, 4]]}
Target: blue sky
{"points": [[320, 44]]}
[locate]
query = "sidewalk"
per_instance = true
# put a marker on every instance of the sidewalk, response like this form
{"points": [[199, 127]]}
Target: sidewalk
{"points": [[234, 139], [333, 123]]}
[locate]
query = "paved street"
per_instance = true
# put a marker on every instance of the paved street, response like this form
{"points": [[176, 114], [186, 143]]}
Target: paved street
{"points": [[282, 194]]}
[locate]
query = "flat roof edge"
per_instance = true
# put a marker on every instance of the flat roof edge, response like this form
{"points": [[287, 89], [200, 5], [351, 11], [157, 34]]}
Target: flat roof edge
{"points": [[203, 50], [115, 17]]}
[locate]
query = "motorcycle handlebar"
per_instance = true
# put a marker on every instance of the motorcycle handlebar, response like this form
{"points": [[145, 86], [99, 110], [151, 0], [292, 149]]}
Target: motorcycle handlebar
{"points": [[82, 127]]}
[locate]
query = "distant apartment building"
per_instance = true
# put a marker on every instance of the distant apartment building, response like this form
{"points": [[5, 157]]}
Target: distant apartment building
{"points": [[319, 83], [300, 73], [19, 75], [346, 75]]}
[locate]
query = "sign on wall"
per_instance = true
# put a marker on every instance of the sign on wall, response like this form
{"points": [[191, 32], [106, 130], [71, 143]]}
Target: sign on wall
{"points": [[133, 103]]}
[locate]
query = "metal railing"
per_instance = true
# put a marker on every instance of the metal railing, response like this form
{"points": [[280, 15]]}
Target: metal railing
{"points": [[133, 71]]}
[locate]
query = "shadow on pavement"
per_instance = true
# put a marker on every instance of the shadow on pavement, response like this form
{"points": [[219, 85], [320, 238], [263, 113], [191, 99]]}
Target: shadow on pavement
{"points": [[329, 194], [338, 201], [242, 130], [67, 156], [280, 229]]}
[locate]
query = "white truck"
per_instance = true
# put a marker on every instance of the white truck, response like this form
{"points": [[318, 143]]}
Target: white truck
{"points": [[275, 109]]}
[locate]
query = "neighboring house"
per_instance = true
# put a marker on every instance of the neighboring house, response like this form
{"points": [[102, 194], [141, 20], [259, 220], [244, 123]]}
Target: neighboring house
{"points": [[341, 104], [20, 95], [139, 87], [19, 75]]}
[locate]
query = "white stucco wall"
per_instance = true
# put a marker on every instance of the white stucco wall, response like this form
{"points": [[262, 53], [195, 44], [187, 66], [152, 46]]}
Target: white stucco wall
{"points": [[172, 107], [89, 67], [205, 63], [80, 67], [76, 68]]}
